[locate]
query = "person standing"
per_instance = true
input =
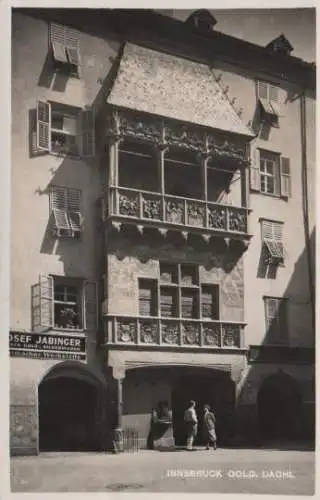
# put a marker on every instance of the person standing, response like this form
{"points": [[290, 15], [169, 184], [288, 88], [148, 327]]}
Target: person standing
{"points": [[191, 420], [209, 428]]}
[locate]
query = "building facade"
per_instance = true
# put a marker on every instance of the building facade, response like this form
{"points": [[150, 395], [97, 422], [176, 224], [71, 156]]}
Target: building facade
{"points": [[168, 181]]}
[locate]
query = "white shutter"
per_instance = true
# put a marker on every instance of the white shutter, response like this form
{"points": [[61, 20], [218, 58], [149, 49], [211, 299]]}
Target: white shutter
{"points": [[255, 172], [262, 90], [44, 126], [74, 209], [65, 44], [42, 304], [90, 294], [285, 175], [271, 308], [59, 209], [88, 135]]}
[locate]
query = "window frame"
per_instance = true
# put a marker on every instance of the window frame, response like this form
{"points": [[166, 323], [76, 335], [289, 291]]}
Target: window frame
{"points": [[84, 129], [281, 173], [64, 45], [178, 287], [43, 303]]}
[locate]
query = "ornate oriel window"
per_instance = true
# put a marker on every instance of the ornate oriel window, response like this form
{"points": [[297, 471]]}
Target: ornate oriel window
{"points": [[178, 293]]}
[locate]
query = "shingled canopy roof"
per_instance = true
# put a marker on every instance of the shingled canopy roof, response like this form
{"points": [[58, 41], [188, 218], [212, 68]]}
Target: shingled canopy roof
{"points": [[173, 87]]}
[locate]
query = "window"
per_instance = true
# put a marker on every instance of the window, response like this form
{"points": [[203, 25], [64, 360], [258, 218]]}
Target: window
{"points": [[64, 303], [268, 99], [147, 297], [65, 211], [270, 174], [64, 130], [272, 240], [276, 319], [181, 295], [65, 47]]}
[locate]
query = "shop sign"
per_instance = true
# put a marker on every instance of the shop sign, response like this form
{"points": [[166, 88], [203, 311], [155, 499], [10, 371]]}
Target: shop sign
{"points": [[46, 346]]}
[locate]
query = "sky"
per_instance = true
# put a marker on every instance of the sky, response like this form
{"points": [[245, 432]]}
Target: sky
{"points": [[260, 26]]}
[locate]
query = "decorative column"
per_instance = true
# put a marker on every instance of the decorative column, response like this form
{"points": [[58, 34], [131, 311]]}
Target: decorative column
{"points": [[161, 150], [118, 373], [205, 158], [113, 177]]}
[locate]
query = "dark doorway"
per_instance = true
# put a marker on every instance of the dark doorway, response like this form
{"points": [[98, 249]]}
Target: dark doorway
{"points": [[279, 407], [67, 409], [214, 388]]}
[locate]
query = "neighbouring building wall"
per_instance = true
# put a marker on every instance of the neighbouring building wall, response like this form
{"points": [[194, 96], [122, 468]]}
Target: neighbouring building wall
{"points": [[291, 280], [33, 249]]}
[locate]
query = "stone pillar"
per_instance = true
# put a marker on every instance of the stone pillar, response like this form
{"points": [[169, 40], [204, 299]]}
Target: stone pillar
{"points": [[118, 373]]}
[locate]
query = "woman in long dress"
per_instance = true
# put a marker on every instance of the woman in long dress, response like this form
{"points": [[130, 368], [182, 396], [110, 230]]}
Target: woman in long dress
{"points": [[209, 428]]}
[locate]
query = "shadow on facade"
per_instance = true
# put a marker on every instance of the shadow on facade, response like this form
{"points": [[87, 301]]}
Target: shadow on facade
{"points": [[277, 398]]}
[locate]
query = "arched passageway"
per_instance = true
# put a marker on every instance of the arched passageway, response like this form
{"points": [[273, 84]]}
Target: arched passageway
{"points": [[279, 407], [70, 412], [211, 387]]}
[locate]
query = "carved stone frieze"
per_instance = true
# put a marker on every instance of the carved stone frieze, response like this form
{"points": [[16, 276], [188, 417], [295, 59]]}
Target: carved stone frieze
{"points": [[126, 331], [151, 208], [191, 333], [230, 335], [170, 333], [148, 332], [166, 133], [212, 335], [128, 204]]}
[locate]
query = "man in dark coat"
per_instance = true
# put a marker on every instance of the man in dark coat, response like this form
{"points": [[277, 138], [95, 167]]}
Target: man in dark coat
{"points": [[209, 428]]}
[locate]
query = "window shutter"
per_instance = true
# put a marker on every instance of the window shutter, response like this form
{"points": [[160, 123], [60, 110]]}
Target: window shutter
{"points": [[42, 304], [255, 172], [88, 136], [59, 208], [65, 43], [74, 208], [262, 90], [272, 306], [43, 125], [273, 93], [90, 294], [285, 177]]}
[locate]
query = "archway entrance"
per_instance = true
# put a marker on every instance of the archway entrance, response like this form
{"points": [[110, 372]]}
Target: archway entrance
{"points": [[69, 413], [279, 407], [205, 387]]}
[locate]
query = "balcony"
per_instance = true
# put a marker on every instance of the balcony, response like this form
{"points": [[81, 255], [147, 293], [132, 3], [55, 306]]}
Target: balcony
{"points": [[173, 332], [146, 208]]}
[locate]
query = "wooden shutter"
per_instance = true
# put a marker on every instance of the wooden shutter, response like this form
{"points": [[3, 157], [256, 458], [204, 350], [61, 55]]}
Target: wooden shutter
{"points": [[90, 302], [43, 125], [271, 311], [285, 177], [65, 43], [262, 90], [255, 172], [59, 208], [74, 208], [42, 303], [87, 132]]}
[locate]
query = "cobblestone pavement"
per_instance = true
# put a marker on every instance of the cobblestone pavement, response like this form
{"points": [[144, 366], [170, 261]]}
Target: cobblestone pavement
{"points": [[200, 471]]}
